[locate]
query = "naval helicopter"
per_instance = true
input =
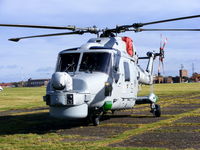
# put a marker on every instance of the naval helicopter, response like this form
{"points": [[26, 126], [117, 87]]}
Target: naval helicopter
{"points": [[1, 89], [101, 75]]}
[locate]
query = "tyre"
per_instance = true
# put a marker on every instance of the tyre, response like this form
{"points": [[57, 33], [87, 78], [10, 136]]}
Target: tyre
{"points": [[96, 120], [157, 111]]}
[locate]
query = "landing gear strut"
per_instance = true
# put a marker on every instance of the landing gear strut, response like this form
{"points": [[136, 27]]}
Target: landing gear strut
{"points": [[95, 116], [96, 120], [155, 110]]}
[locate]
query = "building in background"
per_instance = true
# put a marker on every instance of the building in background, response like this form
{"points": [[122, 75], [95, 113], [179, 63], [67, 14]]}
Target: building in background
{"points": [[36, 82], [168, 79], [195, 77], [183, 77], [183, 73], [3, 85], [161, 79], [158, 79], [29, 83]]}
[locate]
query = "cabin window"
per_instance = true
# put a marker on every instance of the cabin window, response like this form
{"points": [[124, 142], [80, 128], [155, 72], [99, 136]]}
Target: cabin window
{"points": [[68, 62], [126, 71], [97, 62]]}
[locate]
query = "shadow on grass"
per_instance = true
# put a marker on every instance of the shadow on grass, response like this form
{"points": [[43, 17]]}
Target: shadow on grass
{"points": [[42, 123], [130, 116], [39, 123]]}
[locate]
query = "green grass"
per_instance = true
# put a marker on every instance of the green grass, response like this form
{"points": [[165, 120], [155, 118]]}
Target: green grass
{"points": [[24, 98], [21, 98], [36, 131], [172, 89]]}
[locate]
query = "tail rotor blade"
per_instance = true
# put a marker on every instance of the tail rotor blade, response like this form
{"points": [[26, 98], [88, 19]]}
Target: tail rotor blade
{"points": [[161, 54], [159, 67], [163, 68], [160, 41], [165, 42]]}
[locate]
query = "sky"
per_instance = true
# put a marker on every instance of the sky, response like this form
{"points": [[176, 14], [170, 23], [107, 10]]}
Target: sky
{"points": [[36, 58]]}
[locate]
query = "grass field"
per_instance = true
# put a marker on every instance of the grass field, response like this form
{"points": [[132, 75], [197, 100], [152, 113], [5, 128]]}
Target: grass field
{"points": [[25, 124], [18, 98]]}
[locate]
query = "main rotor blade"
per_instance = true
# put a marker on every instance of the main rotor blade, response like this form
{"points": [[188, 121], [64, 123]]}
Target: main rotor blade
{"points": [[137, 26], [169, 20], [46, 35], [40, 26], [141, 29]]}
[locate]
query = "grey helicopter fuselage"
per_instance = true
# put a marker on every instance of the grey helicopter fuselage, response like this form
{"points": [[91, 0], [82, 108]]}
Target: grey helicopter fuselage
{"points": [[98, 75], [102, 74]]}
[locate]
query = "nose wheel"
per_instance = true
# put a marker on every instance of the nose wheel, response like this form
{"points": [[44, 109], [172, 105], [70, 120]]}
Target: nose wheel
{"points": [[155, 110], [95, 116], [96, 120]]}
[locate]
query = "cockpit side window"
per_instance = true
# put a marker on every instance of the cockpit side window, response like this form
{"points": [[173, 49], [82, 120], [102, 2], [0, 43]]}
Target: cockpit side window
{"points": [[126, 71], [68, 62]]}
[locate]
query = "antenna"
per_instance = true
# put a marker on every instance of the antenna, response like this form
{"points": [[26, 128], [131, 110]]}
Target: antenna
{"points": [[192, 68], [182, 67]]}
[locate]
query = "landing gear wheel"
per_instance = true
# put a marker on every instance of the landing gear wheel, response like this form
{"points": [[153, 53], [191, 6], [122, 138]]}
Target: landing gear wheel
{"points": [[96, 120], [157, 111]]}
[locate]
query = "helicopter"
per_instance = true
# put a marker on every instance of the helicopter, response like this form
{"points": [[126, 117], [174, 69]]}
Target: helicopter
{"points": [[1, 89], [101, 75]]}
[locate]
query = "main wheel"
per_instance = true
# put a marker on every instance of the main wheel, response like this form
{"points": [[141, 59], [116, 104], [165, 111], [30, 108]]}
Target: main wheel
{"points": [[157, 111]]}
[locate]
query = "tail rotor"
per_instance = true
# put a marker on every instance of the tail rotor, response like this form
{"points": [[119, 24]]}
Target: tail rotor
{"points": [[163, 43]]}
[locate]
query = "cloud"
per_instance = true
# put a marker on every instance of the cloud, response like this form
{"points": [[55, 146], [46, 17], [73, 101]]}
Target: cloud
{"points": [[9, 67], [55, 7], [46, 69], [1, 67], [52, 11]]}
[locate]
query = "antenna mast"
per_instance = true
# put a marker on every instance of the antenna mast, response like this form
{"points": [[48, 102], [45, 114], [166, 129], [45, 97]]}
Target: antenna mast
{"points": [[192, 68]]}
